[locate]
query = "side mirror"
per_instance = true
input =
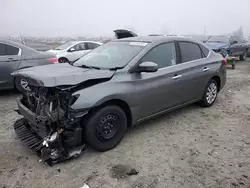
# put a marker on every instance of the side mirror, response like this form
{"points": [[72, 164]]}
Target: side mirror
{"points": [[72, 49], [147, 67]]}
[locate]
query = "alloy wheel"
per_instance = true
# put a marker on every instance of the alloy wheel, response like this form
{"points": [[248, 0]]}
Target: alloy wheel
{"points": [[211, 93]]}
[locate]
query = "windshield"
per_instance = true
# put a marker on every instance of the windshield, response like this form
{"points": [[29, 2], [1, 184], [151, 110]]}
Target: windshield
{"points": [[111, 55], [221, 39], [64, 46]]}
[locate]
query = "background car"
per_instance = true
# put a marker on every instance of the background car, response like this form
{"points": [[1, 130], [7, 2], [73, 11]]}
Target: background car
{"points": [[247, 42], [113, 87], [72, 50], [15, 56], [228, 45]]}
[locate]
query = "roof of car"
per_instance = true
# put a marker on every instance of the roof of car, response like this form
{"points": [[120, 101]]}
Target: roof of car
{"points": [[152, 39], [17, 44]]}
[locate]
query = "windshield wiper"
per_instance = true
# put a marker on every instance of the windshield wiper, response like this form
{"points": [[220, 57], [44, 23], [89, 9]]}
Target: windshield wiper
{"points": [[115, 68], [90, 67]]}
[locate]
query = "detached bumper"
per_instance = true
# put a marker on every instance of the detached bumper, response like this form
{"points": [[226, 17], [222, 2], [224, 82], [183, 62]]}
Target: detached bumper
{"points": [[23, 131], [49, 146]]}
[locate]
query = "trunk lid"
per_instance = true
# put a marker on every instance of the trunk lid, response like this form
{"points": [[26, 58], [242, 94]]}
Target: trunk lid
{"points": [[124, 33], [43, 55], [60, 74]]}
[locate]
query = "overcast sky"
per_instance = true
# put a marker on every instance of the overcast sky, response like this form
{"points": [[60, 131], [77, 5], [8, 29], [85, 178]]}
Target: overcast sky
{"points": [[101, 17]]}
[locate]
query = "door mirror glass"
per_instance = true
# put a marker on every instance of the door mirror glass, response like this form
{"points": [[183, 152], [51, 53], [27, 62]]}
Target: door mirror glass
{"points": [[72, 49], [147, 67]]}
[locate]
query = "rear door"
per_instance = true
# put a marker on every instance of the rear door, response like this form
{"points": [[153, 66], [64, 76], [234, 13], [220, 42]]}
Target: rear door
{"points": [[194, 70], [10, 57]]}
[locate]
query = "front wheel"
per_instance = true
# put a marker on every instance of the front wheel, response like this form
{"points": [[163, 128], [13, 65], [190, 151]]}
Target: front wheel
{"points": [[243, 56], [210, 94], [63, 60], [105, 128], [21, 84]]}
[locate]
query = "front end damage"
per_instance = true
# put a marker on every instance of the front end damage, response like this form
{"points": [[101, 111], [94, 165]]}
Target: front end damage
{"points": [[49, 126]]}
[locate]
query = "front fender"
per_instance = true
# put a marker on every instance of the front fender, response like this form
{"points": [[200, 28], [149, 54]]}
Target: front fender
{"points": [[96, 95]]}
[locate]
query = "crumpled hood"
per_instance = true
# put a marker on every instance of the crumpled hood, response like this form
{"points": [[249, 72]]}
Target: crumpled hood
{"points": [[216, 45], [60, 74]]}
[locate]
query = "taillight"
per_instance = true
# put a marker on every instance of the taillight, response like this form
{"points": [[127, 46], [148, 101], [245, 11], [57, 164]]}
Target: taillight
{"points": [[224, 62], [53, 60]]}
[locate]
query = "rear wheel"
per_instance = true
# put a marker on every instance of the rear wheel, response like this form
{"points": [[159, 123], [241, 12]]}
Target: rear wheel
{"points": [[105, 128], [21, 84], [63, 60], [210, 94], [243, 56]]}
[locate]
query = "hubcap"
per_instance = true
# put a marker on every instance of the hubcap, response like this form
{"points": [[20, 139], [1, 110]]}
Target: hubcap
{"points": [[24, 84], [211, 93], [107, 127]]}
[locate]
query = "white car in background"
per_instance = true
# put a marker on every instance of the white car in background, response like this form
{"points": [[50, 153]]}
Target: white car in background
{"points": [[70, 51]]}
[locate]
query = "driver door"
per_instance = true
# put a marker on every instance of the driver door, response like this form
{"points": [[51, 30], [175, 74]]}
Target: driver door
{"points": [[157, 91], [234, 48]]}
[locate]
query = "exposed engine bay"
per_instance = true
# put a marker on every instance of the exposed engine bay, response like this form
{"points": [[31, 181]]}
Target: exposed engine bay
{"points": [[49, 126]]}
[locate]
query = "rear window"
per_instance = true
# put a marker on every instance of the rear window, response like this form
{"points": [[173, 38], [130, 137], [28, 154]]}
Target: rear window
{"points": [[11, 50], [189, 51]]}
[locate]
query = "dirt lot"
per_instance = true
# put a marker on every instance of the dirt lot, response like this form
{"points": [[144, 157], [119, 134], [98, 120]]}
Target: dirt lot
{"points": [[192, 147]]}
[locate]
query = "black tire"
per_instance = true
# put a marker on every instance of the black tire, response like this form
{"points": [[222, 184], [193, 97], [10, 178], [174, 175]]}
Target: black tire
{"points": [[233, 66], [19, 86], [63, 60], [243, 56], [205, 102], [95, 128]]}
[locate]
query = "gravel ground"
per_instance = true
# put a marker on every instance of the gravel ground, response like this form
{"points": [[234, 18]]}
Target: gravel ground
{"points": [[192, 147]]}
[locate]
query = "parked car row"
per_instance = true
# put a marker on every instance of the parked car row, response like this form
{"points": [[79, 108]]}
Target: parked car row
{"points": [[228, 45], [115, 86], [73, 50]]}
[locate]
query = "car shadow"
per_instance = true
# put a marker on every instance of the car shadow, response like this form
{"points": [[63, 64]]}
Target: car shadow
{"points": [[160, 118], [9, 93]]}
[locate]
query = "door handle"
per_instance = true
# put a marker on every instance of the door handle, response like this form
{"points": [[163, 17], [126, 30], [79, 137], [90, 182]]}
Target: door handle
{"points": [[12, 59], [205, 69], [176, 77]]}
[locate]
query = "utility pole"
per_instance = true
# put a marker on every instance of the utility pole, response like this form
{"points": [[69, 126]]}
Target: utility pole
{"points": [[205, 31]]}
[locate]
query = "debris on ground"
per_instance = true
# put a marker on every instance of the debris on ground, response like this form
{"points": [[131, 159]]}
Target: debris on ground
{"points": [[84, 186], [132, 172]]}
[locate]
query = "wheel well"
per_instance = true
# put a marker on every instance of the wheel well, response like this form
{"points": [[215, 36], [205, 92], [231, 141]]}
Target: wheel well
{"points": [[217, 79], [63, 58], [123, 105], [14, 79]]}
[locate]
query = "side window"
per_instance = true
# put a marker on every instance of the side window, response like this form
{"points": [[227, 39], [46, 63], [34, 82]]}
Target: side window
{"points": [[164, 55], [189, 51], [3, 49], [91, 45], [83, 46], [11, 50], [233, 38], [79, 47], [204, 50]]}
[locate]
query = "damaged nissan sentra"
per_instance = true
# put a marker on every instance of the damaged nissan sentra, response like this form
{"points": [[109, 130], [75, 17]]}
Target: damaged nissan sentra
{"points": [[111, 88]]}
